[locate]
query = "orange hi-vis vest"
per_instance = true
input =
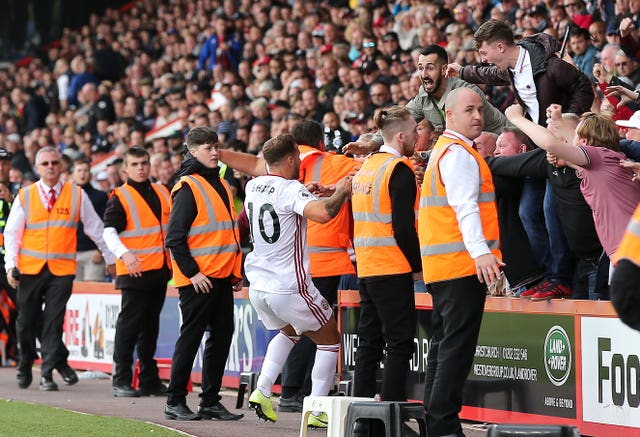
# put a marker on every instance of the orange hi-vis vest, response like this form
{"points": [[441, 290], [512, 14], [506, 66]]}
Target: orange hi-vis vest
{"points": [[630, 245], [50, 237], [444, 255], [328, 242], [377, 252], [144, 234], [214, 237]]}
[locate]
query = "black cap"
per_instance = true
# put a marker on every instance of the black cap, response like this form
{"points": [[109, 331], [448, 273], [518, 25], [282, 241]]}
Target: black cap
{"points": [[368, 67], [390, 36]]}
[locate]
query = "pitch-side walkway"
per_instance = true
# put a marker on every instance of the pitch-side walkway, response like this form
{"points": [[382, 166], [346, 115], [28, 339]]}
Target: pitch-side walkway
{"points": [[93, 396]]}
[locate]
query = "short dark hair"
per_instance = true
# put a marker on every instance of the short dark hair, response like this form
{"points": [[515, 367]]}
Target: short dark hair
{"points": [[308, 132], [520, 136], [278, 147], [80, 161], [492, 31], [201, 135], [136, 152], [442, 54]]}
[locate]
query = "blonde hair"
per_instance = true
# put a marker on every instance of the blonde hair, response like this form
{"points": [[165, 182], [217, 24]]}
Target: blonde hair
{"points": [[599, 130]]}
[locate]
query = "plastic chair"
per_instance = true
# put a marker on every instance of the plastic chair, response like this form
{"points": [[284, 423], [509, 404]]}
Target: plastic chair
{"points": [[336, 408], [392, 414]]}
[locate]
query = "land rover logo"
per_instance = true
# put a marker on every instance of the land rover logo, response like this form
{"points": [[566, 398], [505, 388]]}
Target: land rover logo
{"points": [[557, 355]]}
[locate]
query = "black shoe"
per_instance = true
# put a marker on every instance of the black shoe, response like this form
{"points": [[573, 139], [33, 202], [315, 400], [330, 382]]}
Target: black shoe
{"points": [[157, 390], [124, 391], [69, 376], [180, 412], [290, 405], [219, 412], [47, 384], [24, 377]]}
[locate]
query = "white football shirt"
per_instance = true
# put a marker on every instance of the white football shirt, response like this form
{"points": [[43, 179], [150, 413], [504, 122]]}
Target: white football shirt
{"points": [[279, 262]]}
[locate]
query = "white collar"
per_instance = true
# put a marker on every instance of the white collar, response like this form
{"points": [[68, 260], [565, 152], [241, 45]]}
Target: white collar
{"points": [[388, 149]]}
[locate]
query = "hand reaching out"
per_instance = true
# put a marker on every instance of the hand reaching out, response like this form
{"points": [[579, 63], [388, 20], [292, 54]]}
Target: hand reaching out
{"points": [[634, 166]]}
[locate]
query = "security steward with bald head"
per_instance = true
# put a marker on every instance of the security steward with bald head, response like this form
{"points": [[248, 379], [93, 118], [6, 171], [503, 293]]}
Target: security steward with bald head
{"points": [[459, 239]]}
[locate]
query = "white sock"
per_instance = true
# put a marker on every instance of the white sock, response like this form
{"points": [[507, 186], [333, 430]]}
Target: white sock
{"points": [[277, 353], [324, 369]]}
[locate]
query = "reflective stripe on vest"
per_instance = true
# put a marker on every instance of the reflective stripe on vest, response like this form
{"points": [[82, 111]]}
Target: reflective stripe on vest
{"points": [[629, 247], [377, 251], [214, 238], [214, 225], [327, 242], [376, 215], [50, 236], [444, 255], [144, 233]]}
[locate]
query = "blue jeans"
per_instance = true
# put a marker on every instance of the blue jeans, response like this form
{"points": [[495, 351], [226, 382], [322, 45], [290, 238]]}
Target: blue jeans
{"points": [[591, 278], [531, 214], [561, 263]]}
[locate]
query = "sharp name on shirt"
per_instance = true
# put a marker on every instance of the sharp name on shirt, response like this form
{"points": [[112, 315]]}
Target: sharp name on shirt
{"points": [[263, 188]]}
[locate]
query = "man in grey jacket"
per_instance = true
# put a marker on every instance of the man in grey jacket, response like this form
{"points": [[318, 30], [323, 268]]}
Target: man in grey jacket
{"points": [[429, 103]]}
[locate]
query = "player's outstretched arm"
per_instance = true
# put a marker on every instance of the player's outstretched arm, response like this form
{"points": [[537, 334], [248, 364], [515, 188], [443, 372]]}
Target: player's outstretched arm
{"points": [[323, 210]]}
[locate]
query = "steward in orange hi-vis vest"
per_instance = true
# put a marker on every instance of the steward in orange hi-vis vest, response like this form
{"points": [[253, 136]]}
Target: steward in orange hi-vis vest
{"points": [[376, 248], [444, 255], [328, 242], [214, 236], [50, 237], [630, 244], [143, 234]]}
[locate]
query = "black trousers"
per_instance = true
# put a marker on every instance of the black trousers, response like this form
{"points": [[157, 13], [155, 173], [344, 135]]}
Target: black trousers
{"points": [[296, 373], [137, 328], [33, 321], [211, 311], [387, 317], [458, 305]]}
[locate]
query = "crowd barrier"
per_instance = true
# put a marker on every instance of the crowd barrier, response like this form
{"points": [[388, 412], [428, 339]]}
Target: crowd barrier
{"points": [[566, 362]]}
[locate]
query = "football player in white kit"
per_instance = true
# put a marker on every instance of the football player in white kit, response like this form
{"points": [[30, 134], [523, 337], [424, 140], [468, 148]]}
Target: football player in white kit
{"points": [[281, 289]]}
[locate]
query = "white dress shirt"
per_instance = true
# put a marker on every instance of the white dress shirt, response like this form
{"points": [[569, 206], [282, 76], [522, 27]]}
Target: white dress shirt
{"points": [[14, 229], [461, 177], [388, 149], [114, 243], [525, 85]]}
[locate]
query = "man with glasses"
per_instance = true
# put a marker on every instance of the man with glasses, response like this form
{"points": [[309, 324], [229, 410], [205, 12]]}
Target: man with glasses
{"points": [[46, 212], [627, 67]]}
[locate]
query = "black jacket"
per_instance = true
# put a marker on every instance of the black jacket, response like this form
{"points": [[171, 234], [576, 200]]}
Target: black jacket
{"points": [[556, 80]]}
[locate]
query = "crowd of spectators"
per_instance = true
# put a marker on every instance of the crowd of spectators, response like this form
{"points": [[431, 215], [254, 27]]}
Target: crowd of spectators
{"points": [[143, 75]]}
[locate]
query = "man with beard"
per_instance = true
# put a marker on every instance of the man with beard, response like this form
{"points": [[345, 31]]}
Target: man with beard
{"points": [[429, 103]]}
